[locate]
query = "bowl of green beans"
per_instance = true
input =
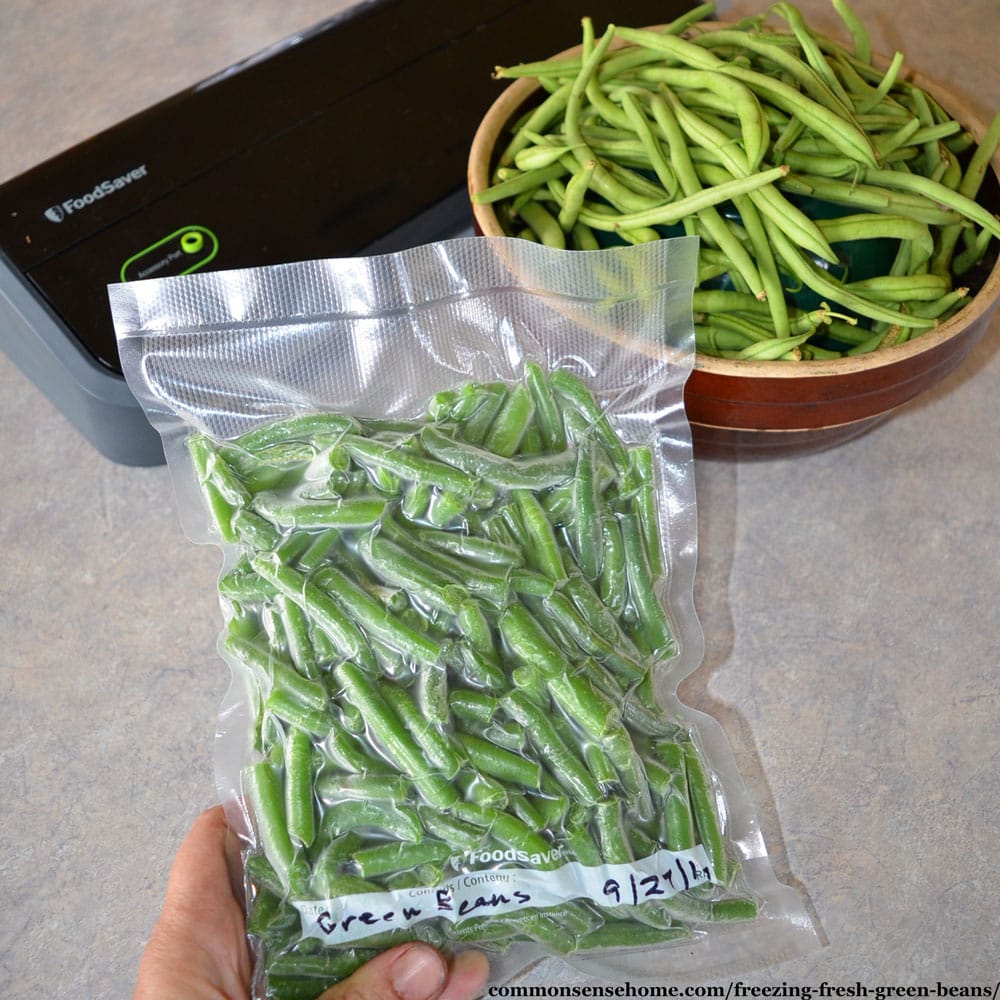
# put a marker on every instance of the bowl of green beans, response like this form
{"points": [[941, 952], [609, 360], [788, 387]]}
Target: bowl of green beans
{"points": [[847, 209]]}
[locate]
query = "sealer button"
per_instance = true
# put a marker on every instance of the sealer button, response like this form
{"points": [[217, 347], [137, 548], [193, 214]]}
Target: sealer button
{"points": [[192, 242]]}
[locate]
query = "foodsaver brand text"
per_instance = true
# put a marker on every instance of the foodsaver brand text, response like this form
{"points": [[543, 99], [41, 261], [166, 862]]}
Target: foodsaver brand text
{"points": [[108, 186], [480, 857]]}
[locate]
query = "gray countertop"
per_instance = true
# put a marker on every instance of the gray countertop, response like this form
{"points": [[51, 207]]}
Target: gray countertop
{"points": [[849, 599]]}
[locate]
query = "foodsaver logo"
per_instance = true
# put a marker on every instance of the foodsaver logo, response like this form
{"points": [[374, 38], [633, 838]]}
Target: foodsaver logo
{"points": [[56, 213], [477, 857]]}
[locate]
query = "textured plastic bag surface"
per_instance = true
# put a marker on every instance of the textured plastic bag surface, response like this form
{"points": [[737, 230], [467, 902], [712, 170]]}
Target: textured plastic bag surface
{"points": [[454, 491]]}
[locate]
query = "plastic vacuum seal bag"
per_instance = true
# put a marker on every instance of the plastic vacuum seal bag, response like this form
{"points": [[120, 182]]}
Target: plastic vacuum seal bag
{"points": [[454, 491]]}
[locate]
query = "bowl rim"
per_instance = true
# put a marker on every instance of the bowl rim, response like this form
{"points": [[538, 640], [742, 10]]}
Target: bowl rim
{"points": [[513, 96]]}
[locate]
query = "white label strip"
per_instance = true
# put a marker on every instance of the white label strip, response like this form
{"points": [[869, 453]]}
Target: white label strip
{"points": [[504, 890]]}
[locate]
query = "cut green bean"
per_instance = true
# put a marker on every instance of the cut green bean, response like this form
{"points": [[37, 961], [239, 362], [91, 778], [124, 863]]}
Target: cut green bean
{"points": [[566, 767], [352, 814], [327, 613], [300, 808], [436, 746], [263, 789], [386, 859], [392, 735], [499, 763]]}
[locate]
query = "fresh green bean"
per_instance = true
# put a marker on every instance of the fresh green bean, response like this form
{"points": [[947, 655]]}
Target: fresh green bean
{"points": [[543, 224], [574, 194], [520, 183], [853, 133], [902, 288], [810, 275], [856, 194], [601, 180], [675, 211], [767, 199], [716, 226], [538, 120], [968, 258], [857, 29]]}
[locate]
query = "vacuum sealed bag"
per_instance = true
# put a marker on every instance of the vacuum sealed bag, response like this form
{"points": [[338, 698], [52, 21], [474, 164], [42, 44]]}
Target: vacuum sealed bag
{"points": [[454, 492]]}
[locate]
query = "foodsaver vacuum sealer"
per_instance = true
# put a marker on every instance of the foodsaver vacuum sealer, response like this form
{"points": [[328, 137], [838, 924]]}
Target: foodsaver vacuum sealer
{"points": [[350, 138]]}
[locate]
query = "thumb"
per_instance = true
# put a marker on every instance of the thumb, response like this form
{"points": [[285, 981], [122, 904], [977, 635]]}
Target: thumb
{"points": [[414, 971]]}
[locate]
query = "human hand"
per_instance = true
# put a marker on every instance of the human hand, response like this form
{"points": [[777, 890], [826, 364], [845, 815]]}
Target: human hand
{"points": [[198, 948]]}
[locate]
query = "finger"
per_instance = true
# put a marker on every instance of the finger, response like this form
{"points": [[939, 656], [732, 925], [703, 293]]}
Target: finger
{"points": [[198, 946], [413, 971], [200, 874], [467, 978]]}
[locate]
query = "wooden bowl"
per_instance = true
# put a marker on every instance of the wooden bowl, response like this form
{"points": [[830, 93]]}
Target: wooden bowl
{"points": [[760, 409]]}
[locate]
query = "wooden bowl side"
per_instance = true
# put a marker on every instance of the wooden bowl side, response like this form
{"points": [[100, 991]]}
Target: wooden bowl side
{"points": [[756, 397]]}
